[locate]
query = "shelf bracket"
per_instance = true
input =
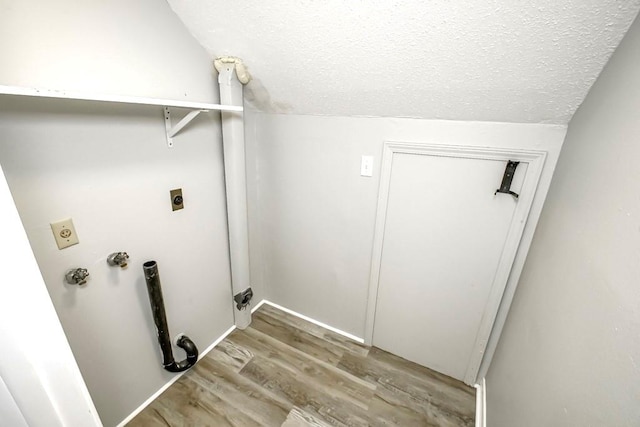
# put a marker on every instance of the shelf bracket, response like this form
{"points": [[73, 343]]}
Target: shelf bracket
{"points": [[173, 130]]}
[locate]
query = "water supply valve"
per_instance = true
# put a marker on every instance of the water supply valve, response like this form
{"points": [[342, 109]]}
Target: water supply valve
{"points": [[118, 259], [77, 276]]}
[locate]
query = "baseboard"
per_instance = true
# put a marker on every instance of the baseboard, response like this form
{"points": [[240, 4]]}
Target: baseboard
{"points": [[258, 305], [308, 319], [481, 403], [169, 383]]}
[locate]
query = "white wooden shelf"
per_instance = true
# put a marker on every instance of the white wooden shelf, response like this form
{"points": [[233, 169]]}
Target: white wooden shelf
{"points": [[172, 130], [62, 94]]}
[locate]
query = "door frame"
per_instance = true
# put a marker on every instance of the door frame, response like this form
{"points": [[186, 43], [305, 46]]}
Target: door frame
{"points": [[535, 160]]}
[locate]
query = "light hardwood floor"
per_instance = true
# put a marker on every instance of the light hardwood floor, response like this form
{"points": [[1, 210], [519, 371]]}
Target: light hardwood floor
{"points": [[284, 371]]}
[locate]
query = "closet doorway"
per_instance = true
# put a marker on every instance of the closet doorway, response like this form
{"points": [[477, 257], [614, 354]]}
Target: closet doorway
{"points": [[443, 249]]}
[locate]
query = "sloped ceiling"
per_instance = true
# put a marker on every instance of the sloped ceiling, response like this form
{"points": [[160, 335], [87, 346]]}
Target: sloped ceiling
{"points": [[500, 60]]}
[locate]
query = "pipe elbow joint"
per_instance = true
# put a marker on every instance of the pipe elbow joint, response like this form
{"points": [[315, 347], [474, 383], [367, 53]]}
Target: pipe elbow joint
{"points": [[185, 343]]}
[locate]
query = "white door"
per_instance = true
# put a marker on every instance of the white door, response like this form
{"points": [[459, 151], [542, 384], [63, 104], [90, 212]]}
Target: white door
{"points": [[447, 245]]}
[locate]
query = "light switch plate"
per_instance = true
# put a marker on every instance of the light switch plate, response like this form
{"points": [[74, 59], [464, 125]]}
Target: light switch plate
{"points": [[65, 233], [366, 167]]}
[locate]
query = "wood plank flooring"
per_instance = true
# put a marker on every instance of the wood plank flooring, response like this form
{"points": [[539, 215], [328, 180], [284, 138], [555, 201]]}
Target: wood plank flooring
{"points": [[284, 371]]}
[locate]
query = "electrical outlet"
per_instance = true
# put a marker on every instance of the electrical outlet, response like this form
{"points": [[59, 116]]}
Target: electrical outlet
{"points": [[64, 233]]}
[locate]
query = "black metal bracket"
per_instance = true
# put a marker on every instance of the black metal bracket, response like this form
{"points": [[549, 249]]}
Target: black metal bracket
{"points": [[243, 298], [509, 172]]}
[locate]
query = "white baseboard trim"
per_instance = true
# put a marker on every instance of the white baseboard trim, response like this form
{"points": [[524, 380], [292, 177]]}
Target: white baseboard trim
{"points": [[258, 305], [481, 403], [169, 383], [308, 319]]}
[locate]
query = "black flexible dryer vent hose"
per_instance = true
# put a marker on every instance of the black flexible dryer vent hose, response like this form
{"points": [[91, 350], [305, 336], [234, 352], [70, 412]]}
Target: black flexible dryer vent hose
{"points": [[160, 318]]}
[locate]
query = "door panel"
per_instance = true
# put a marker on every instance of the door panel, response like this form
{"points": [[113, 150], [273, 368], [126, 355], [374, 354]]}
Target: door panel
{"points": [[444, 235]]}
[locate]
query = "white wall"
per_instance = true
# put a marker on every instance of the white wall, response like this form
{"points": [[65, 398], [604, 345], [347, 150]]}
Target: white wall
{"points": [[108, 167], [313, 215], [40, 384], [569, 355], [108, 47]]}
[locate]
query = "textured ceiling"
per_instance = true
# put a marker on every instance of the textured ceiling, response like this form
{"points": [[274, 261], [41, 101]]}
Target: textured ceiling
{"points": [[501, 60]]}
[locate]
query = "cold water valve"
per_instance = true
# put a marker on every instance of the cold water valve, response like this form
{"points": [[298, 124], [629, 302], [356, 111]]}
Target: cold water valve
{"points": [[118, 259], [77, 276]]}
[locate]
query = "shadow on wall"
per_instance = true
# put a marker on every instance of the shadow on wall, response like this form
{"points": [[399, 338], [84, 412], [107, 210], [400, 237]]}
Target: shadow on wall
{"points": [[259, 97]]}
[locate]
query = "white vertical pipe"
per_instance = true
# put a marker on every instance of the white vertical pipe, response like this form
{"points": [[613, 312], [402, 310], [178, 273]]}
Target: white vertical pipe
{"points": [[236, 184]]}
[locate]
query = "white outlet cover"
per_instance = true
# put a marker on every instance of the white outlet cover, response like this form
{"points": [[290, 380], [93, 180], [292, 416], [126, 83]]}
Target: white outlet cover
{"points": [[64, 233]]}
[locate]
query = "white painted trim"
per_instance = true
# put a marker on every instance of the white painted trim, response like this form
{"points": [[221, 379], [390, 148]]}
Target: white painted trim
{"points": [[481, 404], [315, 322], [169, 383], [62, 94], [535, 160], [254, 309]]}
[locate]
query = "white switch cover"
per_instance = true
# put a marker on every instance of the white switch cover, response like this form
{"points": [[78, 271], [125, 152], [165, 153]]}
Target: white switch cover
{"points": [[366, 168], [65, 233]]}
